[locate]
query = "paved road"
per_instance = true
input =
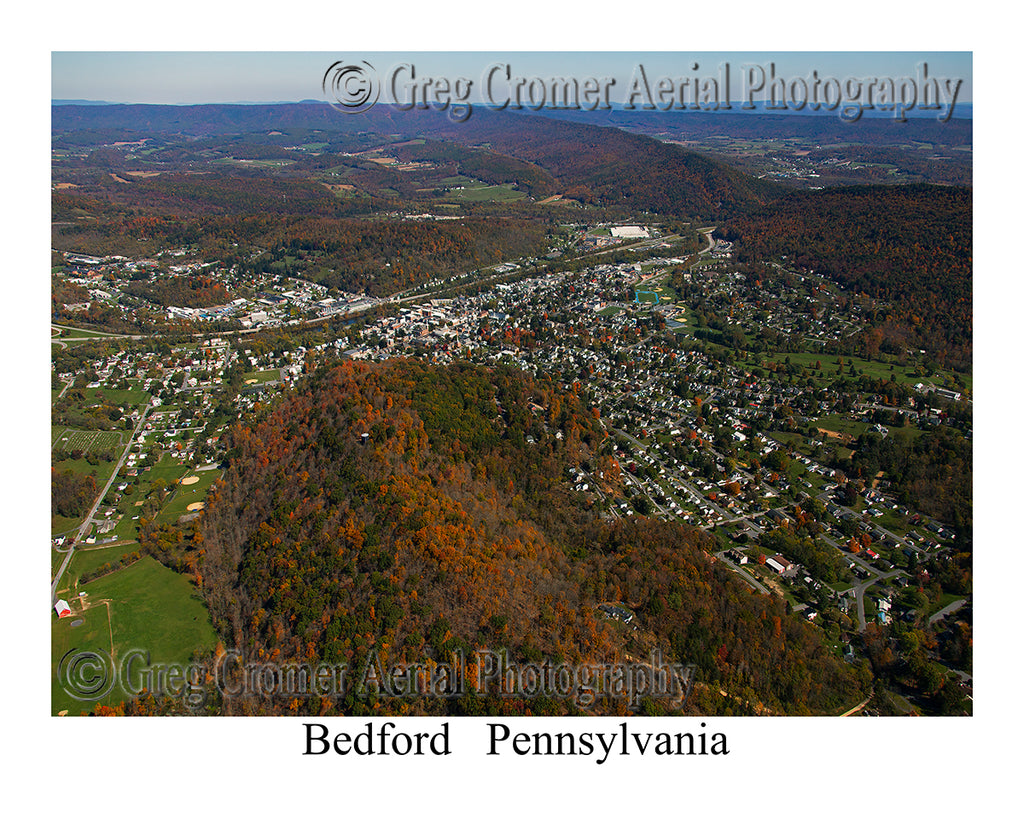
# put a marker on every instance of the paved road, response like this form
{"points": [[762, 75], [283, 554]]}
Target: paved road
{"points": [[824, 498], [743, 573], [67, 385], [858, 707], [99, 333], [397, 298], [956, 604], [861, 590], [99, 500]]}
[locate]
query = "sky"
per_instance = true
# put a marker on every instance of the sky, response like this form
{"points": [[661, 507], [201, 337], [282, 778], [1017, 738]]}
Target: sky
{"points": [[192, 77], [197, 51]]}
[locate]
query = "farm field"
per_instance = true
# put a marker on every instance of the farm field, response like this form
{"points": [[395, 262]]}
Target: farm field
{"points": [[88, 559], [482, 192], [144, 607], [591, 420], [68, 440]]}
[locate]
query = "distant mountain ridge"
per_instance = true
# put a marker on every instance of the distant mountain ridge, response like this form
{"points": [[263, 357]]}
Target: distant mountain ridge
{"points": [[594, 164], [963, 110], [918, 257]]}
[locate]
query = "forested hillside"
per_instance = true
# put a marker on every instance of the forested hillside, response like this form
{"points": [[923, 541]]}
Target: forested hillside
{"points": [[415, 511], [598, 166], [909, 246], [225, 217], [606, 166]]}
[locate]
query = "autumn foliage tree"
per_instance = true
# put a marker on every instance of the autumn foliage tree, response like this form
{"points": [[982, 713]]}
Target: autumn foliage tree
{"points": [[395, 513]]}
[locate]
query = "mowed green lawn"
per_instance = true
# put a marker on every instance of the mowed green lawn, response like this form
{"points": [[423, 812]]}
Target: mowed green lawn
{"points": [[133, 396], [151, 608], [873, 369], [90, 558], [74, 333], [841, 424], [262, 376], [485, 193], [93, 635], [185, 495], [168, 468]]}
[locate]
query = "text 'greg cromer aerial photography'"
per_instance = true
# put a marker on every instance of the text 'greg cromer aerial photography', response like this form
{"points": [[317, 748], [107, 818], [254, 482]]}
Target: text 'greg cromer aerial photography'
{"points": [[453, 384]]}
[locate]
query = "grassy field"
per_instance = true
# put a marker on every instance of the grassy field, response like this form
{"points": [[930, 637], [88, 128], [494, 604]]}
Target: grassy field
{"points": [[481, 192], [841, 424], [61, 525], [873, 369], [185, 495], [262, 376], [133, 396], [65, 439], [797, 439], [74, 333], [800, 475], [167, 468], [80, 465], [126, 528], [943, 601], [92, 635], [343, 193], [906, 433], [90, 558], [146, 607], [101, 473], [56, 558], [454, 181]]}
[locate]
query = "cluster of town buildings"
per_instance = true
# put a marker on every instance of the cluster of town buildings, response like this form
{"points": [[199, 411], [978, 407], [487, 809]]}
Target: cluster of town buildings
{"points": [[269, 300], [691, 431]]}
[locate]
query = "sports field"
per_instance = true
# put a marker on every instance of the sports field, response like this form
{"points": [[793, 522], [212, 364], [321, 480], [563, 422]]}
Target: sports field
{"points": [[262, 376], [191, 489]]}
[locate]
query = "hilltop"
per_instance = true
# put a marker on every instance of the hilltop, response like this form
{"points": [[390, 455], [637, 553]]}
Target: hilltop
{"points": [[406, 512], [597, 165]]}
